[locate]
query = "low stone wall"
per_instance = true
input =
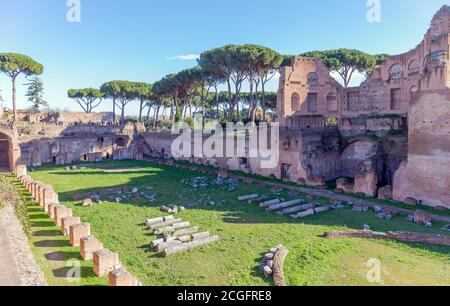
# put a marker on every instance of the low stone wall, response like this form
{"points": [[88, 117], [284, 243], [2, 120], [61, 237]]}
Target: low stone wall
{"points": [[398, 236], [106, 263]]}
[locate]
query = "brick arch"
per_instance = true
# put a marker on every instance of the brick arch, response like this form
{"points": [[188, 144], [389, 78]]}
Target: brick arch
{"points": [[413, 67], [356, 154], [5, 152], [396, 72]]}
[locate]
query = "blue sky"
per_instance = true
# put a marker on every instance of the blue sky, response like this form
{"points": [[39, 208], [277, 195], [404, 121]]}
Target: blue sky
{"points": [[137, 40]]}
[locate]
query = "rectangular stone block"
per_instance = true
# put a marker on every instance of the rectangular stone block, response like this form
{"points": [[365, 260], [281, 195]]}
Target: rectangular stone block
{"points": [[50, 196], [79, 231], [51, 210], [21, 170], [40, 194], [89, 245], [122, 278], [33, 189], [67, 222], [104, 262], [29, 186], [41, 189], [60, 213]]}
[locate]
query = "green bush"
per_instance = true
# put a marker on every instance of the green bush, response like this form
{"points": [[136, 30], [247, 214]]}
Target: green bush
{"points": [[9, 194]]}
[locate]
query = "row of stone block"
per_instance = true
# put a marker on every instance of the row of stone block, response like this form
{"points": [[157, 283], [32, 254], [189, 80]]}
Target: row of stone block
{"points": [[178, 236], [105, 261]]}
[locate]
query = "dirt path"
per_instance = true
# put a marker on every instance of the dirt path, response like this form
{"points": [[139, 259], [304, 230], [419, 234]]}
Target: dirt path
{"points": [[9, 274], [17, 264]]}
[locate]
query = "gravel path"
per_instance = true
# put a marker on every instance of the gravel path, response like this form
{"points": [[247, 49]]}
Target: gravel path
{"points": [[17, 264]]}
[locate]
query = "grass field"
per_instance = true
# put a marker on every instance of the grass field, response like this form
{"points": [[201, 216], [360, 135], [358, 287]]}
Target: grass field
{"points": [[246, 232]]}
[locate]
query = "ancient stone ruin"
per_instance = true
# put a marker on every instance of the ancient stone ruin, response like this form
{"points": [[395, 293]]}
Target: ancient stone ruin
{"points": [[392, 138], [105, 262]]}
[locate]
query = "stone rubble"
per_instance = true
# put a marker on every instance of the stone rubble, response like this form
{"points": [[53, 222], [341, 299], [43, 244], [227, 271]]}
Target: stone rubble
{"points": [[176, 235], [272, 264]]}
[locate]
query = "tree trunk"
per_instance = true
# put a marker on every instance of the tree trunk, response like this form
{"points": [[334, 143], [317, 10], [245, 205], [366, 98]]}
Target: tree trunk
{"points": [[114, 110], [230, 98], [148, 113], [123, 112], [263, 101], [13, 79], [217, 103], [140, 110], [236, 99], [155, 121], [250, 105]]}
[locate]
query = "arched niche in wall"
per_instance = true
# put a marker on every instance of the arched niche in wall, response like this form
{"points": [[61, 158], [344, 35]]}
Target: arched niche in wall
{"points": [[435, 60], [414, 67], [332, 105], [313, 79], [396, 72], [120, 142], [5, 145], [413, 90], [295, 102], [355, 155]]}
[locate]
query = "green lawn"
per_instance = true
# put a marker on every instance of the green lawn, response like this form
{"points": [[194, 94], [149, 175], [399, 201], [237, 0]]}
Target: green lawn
{"points": [[246, 232]]}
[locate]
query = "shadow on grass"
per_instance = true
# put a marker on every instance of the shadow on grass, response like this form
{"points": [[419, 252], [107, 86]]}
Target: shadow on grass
{"points": [[42, 224], [67, 272], [52, 244], [256, 271], [47, 233], [62, 256]]}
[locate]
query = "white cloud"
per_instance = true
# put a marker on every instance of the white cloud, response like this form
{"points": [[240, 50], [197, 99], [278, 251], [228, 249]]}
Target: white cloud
{"points": [[187, 57]]}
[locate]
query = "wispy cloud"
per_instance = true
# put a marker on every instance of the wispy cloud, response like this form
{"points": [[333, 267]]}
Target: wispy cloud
{"points": [[187, 57]]}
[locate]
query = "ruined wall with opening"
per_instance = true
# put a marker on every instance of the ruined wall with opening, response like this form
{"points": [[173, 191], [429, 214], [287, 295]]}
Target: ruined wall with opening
{"points": [[307, 89], [426, 174]]}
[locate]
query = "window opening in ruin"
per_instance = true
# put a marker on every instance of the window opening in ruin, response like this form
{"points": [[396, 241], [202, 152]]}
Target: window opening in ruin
{"points": [[285, 171], [396, 99], [396, 72], [120, 142], [413, 68], [313, 79], [295, 102], [312, 102], [332, 102], [413, 90]]}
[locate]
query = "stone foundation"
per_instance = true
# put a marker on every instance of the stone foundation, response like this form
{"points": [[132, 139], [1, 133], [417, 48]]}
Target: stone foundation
{"points": [[366, 183]]}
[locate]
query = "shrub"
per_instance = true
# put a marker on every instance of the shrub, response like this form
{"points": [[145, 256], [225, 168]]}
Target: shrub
{"points": [[10, 195]]}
